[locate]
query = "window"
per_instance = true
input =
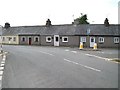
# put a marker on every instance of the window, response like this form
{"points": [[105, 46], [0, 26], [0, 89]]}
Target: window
{"points": [[83, 39], [48, 39], [9, 38], [101, 39], [56, 39], [64, 39], [36, 39], [116, 39], [14, 38], [23, 39]]}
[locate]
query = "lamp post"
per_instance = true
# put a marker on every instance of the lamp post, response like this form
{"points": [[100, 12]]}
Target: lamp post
{"points": [[1, 49]]}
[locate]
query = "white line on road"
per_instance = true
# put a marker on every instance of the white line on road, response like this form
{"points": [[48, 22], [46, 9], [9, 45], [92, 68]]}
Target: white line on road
{"points": [[101, 52], [46, 53], [2, 65], [3, 59], [83, 65], [4, 56], [0, 78], [2, 62], [74, 51], [107, 59], [67, 50], [1, 72], [1, 68]]}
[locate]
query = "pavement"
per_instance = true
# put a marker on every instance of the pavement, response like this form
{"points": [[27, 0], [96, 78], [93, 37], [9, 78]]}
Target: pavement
{"points": [[105, 53], [59, 67]]}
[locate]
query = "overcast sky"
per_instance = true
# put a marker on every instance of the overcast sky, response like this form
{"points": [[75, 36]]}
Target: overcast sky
{"points": [[36, 12]]}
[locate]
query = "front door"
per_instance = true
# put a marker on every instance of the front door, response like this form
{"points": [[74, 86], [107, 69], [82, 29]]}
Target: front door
{"points": [[56, 40], [29, 40], [92, 41]]}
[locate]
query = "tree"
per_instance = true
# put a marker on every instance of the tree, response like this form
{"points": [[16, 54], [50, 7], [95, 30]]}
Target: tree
{"points": [[106, 22], [7, 25], [82, 20]]}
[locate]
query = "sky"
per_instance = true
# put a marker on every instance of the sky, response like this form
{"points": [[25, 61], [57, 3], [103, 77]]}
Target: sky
{"points": [[36, 12]]}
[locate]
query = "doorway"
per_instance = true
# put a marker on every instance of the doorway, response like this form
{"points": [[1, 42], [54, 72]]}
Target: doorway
{"points": [[92, 41], [56, 40], [29, 40]]}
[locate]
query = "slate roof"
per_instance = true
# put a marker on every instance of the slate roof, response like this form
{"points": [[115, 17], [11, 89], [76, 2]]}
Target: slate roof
{"points": [[95, 29]]}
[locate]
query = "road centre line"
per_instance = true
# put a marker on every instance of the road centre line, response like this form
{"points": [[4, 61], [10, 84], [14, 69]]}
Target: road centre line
{"points": [[46, 53], [91, 68]]}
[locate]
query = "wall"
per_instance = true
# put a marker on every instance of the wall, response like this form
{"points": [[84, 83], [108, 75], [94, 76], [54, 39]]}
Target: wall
{"points": [[108, 42], [26, 42], [11, 41], [44, 43], [73, 41]]}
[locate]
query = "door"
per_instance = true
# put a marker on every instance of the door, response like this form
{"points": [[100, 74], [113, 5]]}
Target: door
{"points": [[92, 41], [56, 40], [29, 40]]}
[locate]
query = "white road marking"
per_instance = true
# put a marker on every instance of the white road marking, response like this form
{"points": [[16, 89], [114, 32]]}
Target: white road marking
{"points": [[67, 50], [2, 62], [83, 65], [107, 59], [1, 68], [0, 77], [2, 65], [4, 56], [74, 51], [46, 53], [101, 52], [3, 59], [1, 72]]}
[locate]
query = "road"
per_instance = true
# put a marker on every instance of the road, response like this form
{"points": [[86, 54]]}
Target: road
{"points": [[56, 67]]}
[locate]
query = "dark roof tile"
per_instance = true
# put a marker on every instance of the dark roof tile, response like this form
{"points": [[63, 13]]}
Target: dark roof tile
{"points": [[95, 29]]}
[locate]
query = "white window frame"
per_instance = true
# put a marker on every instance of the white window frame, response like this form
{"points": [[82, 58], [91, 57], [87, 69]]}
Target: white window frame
{"points": [[64, 38], [82, 39], [35, 39], [48, 40], [22, 39], [101, 39], [116, 39]]}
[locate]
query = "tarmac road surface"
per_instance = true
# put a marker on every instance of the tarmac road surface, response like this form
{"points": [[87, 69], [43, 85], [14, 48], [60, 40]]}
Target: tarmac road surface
{"points": [[56, 67]]}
